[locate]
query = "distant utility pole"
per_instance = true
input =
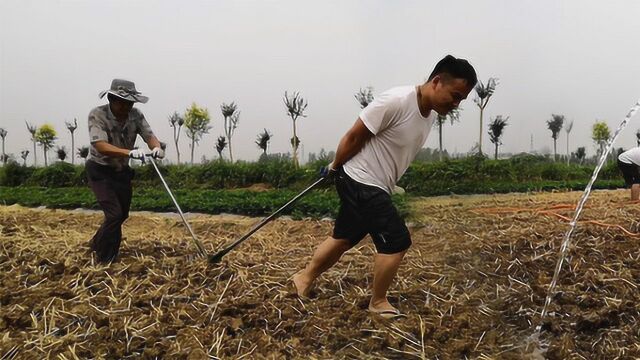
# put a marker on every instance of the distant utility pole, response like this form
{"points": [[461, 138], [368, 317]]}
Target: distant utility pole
{"points": [[531, 146]]}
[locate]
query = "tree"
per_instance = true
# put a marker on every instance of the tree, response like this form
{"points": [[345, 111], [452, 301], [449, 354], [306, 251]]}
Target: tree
{"points": [[23, 155], [453, 116], [46, 137], [220, 145], [616, 153], [296, 106], [484, 93], [62, 153], [581, 153], [263, 140], [32, 129], [364, 96], [3, 135], [496, 129], [83, 152], [196, 123], [325, 156], [71, 127], [568, 128], [555, 125], [231, 118], [600, 134], [176, 122]]}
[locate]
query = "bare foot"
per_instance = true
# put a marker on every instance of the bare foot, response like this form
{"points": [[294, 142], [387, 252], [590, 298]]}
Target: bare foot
{"points": [[302, 283]]}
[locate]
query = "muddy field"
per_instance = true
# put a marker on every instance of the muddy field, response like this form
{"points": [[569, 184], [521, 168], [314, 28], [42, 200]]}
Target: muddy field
{"points": [[472, 286]]}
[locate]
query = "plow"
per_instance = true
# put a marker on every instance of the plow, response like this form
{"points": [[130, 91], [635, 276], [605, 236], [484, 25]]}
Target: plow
{"points": [[217, 257]]}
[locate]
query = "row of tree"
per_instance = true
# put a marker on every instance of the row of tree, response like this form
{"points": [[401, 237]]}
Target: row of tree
{"points": [[600, 133], [196, 123], [45, 136]]}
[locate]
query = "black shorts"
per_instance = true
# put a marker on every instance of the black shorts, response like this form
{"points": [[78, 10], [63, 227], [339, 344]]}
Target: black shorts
{"points": [[630, 172], [366, 209]]}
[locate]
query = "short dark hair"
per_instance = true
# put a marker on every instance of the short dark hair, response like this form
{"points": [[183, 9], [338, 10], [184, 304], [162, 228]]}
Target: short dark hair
{"points": [[457, 68]]}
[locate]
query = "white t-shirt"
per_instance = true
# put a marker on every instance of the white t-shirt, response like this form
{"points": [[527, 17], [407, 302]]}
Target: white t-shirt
{"points": [[399, 132], [631, 156]]}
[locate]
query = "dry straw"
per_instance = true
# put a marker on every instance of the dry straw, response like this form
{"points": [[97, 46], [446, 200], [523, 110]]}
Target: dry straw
{"points": [[472, 286]]}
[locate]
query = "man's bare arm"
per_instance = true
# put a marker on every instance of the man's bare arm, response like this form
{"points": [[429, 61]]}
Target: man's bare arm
{"points": [[351, 143], [153, 143], [107, 149]]}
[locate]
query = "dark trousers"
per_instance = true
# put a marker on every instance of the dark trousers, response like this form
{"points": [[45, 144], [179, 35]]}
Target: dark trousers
{"points": [[113, 192], [630, 172]]}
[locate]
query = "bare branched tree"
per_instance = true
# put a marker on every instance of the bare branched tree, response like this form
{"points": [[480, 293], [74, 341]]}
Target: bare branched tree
{"points": [[32, 130], [83, 152], [72, 127], [296, 105], [496, 130], [263, 140], [484, 93], [581, 154], [24, 154], [453, 116], [555, 125], [231, 119], [364, 96], [176, 121], [568, 128], [220, 145], [61, 151], [3, 135]]}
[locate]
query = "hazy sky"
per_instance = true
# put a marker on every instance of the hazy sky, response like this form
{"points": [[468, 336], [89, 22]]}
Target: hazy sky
{"points": [[578, 58]]}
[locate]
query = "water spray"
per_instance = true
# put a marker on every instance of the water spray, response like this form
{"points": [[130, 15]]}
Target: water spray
{"points": [[572, 225]]}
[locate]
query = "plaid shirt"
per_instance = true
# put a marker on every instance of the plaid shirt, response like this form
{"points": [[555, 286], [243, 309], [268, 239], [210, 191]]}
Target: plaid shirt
{"points": [[103, 126]]}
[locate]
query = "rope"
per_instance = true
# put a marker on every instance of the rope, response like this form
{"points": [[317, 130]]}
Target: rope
{"points": [[551, 211]]}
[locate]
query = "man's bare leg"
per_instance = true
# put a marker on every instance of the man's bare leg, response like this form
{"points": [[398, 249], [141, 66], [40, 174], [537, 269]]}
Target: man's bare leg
{"points": [[384, 270], [635, 192], [325, 256]]}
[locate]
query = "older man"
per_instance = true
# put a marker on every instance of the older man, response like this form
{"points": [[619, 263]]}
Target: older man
{"points": [[113, 129]]}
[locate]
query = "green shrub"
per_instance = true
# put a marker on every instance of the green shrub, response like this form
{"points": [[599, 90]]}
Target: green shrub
{"points": [[481, 175], [13, 174], [610, 170], [80, 176], [468, 175], [317, 204], [59, 174], [224, 175]]}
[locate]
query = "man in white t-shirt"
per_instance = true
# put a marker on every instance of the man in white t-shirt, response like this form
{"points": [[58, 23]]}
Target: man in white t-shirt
{"points": [[629, 164], [370, 159]]}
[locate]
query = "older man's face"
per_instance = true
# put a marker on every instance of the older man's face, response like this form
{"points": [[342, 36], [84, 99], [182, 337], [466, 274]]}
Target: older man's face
{"points": [[120, 107]]}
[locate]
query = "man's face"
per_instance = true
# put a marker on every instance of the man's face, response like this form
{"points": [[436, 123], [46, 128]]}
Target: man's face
{"points": [[120, 107], [448, 93]]}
